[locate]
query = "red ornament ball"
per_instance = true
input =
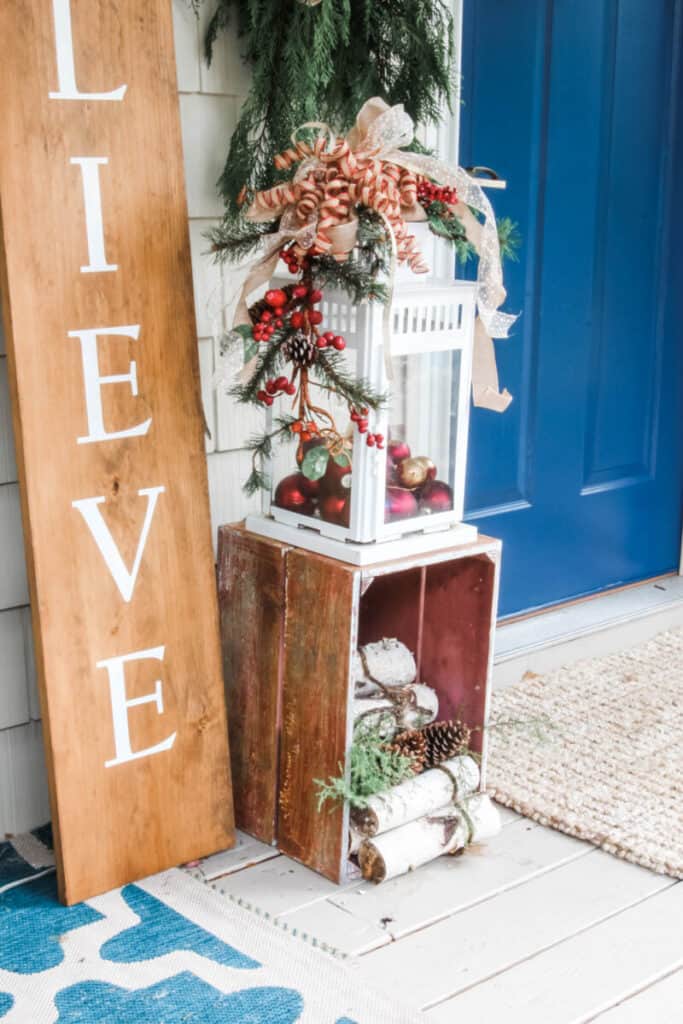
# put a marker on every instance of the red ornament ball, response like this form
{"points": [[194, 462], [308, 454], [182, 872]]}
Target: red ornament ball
{"points": [[297, 319], [335, 508], [337, 479], [436, 497], [291, 494], [311, 488], [315, 316], [399, 504], [398, 450], [276, 297]]}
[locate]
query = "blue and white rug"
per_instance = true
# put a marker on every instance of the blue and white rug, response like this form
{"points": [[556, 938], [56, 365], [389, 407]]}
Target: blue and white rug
{"points": [[167, 950]]}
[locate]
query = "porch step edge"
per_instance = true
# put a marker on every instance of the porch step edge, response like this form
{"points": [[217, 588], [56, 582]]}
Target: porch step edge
{"points": [[587, 629]]}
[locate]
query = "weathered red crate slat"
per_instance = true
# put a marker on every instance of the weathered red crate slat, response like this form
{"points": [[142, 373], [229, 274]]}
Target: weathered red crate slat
{"points": [[291, 620]]}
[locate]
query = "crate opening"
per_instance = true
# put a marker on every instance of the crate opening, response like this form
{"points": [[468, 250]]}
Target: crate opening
{"points": [[443, 613]]}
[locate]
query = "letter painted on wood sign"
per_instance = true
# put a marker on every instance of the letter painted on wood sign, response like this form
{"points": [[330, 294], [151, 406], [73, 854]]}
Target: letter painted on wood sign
{"points": [[92, 202], [121, 704], [123, 578], [66, 64], [93, 383]]}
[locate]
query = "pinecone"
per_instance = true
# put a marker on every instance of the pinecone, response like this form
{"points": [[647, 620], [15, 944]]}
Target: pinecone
{"points": [[410, 743], [444, 740], [300, 349]]}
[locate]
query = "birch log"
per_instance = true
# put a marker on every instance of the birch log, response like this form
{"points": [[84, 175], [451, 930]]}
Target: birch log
{"points": [[426, 793], [389, 662], [388, 716], [445, 831]]}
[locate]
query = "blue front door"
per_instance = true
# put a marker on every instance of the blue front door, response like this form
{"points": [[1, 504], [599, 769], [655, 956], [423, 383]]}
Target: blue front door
{"points": [[578, 104]]}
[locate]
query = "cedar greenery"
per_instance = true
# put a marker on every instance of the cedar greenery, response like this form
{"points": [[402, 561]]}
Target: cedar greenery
{"points": [[322, 62], [373, 768]]}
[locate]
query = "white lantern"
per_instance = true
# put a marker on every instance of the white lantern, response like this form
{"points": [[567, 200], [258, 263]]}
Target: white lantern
{"points": [[409, 495]]}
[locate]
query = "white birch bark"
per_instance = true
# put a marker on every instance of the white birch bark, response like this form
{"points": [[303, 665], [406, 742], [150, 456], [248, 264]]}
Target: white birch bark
{"points": [[426, 793], [389, 662], [388, 717], [445, 831]]}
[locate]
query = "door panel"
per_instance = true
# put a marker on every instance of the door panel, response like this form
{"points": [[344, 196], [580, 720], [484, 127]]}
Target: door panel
{"points": [[574, 103]]}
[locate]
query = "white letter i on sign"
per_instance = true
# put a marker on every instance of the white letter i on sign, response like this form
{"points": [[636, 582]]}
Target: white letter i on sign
{"points": [[92, 197]]}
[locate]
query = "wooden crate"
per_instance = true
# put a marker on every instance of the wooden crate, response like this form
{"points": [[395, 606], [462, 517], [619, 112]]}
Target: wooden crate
{"points": [[291, 620]]}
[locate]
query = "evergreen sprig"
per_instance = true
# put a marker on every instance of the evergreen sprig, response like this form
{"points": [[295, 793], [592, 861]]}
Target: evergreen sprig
{"points": [[269, 359], [261, 448], [331, 368], [236, 238], [509, 238], [352, 276], [373, 768], [446, 224], [322, 62]]}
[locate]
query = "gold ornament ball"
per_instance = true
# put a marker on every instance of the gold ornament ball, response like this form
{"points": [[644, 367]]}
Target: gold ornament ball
{"points": [[415, 471]]}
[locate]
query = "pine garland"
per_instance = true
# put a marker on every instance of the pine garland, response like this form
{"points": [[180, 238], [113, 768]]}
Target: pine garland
{"points": [[321, 63]]}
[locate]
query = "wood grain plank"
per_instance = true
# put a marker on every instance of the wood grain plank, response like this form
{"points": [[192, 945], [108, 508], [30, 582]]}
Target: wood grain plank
{"points": [[662, 1001], [339, 931], [484, 941], [174, 806], [278, 886], [456, 637], [320, 633], [251, 585], [449, 885], [245, 853], [584, 975]]}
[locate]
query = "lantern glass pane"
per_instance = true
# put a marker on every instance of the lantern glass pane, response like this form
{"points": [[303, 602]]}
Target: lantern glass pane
{"points": [[423, 418]]}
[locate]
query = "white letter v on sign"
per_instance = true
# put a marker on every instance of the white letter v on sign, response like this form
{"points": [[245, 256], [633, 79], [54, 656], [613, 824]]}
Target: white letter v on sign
{"points": [[124, 579]]}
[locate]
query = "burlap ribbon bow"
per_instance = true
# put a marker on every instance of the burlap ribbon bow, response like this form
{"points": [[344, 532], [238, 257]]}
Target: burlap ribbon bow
{"points": [[370, 167]]}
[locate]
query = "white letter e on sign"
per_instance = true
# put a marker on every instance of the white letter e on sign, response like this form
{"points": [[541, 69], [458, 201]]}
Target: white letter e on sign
{"points": [[120, 705]]}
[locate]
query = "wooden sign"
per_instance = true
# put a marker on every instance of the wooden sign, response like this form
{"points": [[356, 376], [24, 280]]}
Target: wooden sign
{"points": [[102, 355]]}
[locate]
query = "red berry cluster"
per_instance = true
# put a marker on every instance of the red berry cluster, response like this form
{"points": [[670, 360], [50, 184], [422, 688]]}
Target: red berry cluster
{"points": [[330, 338], [280, 306], [306, 430], [360, 418], [294, 264], [307, 298], [274, 387], [428, 192], [270, 320]]}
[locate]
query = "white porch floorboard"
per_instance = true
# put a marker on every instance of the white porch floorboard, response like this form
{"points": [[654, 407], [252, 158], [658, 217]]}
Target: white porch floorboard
{"points": [[536, 928]]}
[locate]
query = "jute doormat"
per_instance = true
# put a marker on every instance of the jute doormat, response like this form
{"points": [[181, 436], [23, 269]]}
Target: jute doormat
{"points": [[608, 763]]}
